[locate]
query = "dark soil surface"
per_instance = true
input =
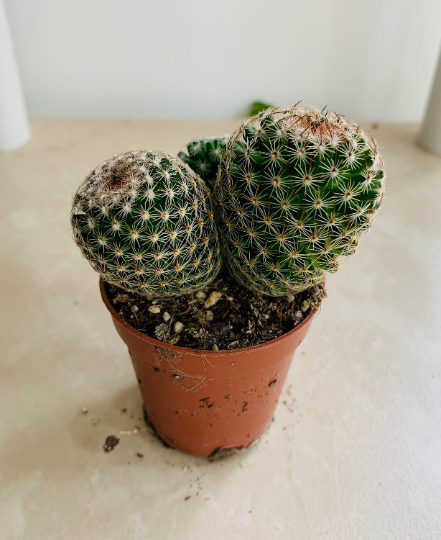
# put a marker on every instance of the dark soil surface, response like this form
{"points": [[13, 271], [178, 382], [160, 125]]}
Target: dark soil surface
{"points": [[224, 315]]}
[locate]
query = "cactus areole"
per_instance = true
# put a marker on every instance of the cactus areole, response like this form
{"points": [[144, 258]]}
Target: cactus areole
{"points": [[295, 191], [144, 221]]}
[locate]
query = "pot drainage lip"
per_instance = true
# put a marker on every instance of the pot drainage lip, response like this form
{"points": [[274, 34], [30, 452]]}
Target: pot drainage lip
{"points": [[165, 443], [224, 452], [218, 454]]}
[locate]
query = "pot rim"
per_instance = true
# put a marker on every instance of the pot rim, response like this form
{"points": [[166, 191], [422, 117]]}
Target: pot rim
{"points": [[197, 352]]}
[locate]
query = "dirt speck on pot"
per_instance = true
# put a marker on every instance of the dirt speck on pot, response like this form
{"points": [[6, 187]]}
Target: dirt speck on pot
{"points": [[222, 316], [110, 443], [205, 402]]}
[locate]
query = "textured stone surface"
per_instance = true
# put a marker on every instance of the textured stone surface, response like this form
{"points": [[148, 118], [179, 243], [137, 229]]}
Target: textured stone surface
{"points": [[354, 451]]}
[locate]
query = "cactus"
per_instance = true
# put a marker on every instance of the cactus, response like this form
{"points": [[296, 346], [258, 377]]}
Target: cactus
{"points": [[296, 190], [145, 222], [203, 156], [257, 107]]}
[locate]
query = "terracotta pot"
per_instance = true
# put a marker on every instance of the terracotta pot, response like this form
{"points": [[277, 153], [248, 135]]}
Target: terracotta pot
{"points": [[205, 402]]}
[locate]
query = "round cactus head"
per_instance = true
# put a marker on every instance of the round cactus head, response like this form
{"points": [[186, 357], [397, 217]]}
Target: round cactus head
{"points": [[203, 156], [144, 221], [296, 190]]}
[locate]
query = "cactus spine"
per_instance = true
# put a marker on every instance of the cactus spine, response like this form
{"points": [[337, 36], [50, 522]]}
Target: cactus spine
{"points": [[296, 190], [145, 222], [203, 156]]}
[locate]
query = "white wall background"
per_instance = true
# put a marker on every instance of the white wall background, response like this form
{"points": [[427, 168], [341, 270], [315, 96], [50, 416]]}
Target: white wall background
{"points": [[368, 60]]}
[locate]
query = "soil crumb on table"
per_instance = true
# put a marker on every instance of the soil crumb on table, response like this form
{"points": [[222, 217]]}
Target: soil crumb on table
{"points": [[110, 443], [223, 315]]}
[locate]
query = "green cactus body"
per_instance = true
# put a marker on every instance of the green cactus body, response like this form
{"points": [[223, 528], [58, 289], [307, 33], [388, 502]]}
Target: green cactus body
{"points": [[203, 156], [257, 107], [296, 190], [145, 222]]}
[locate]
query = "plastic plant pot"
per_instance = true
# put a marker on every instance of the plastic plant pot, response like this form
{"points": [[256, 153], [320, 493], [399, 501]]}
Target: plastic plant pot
{"points": [[203, 402]]}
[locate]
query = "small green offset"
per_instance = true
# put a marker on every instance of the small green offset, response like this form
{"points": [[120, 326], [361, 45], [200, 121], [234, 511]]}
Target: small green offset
{"points": [[203, 156]]}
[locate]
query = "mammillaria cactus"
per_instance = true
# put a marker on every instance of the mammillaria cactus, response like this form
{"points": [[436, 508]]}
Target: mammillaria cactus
{"points": [[258, 106], [203, 156], [144, 221], [296, 189]]}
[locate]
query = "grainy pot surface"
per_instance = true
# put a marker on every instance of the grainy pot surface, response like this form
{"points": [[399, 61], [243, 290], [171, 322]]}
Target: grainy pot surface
{"points": [[202, 402]]}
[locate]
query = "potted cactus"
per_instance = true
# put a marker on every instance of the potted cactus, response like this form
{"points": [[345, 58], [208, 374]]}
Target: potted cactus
{"points": [[236, 233]]}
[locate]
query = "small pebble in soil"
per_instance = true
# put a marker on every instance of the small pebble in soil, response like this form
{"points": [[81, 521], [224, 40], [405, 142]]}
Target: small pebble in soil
{"points": [[305, 305], [299, 314], [201, 295], [110, 443], [214, 297], [178, 327], [166, 316], [155, 309], [135, 309]]}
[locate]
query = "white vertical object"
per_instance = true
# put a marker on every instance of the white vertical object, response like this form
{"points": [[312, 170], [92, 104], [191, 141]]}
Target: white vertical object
{"points": [[14, 123], [430, 135]]}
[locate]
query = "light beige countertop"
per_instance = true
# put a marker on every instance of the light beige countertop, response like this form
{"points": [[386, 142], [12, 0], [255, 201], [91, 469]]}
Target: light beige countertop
{"points": [[355, 449]]}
